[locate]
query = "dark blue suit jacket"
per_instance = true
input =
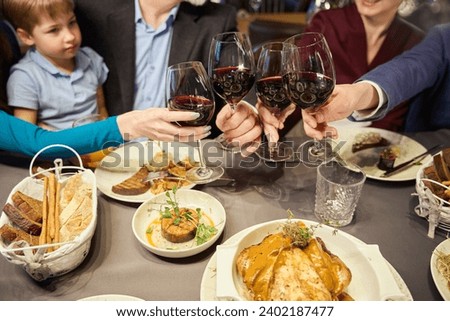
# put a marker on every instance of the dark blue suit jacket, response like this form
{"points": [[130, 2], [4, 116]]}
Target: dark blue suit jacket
{"points": [[421, 74]]}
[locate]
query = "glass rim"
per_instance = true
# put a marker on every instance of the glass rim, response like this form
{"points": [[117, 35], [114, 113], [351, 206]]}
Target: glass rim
{"points": [[185, 64], [318, 34]]}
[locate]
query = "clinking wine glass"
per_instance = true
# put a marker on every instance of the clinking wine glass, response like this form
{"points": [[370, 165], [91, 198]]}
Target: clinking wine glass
{"points": [[189, 89], [271, 91], [231, 68], [310, 82]]}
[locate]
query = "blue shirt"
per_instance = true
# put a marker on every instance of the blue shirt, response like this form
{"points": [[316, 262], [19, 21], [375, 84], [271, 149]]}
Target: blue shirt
{"points": [[59, 98], [20, 136], [152, 56]]}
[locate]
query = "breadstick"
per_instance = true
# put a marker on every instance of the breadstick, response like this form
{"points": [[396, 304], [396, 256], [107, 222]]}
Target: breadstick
{"points": [[43, 235], [57, 212], [51, 209]]}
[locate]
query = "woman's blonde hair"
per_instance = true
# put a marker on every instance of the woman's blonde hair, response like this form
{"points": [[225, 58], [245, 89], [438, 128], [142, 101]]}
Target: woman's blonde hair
{"points": [[25, 14]]}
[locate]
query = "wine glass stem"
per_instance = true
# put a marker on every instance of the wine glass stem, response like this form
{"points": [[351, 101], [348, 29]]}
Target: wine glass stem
{"points": [[200, 153]]}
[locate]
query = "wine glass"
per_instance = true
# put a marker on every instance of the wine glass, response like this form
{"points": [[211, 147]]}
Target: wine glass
{"points": [[310, 83], [189, 89], [272, 93], [231, 67]]}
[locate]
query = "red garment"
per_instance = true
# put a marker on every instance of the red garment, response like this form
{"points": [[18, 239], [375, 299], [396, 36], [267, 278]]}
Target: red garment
{"points": [[344, 30]]}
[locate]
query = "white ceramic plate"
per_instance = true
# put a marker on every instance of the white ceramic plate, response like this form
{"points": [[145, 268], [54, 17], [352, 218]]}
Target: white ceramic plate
{"points": [[438, 278], [373, 278], [111, 297], [127, 159], [149, 212], [367, 159]]}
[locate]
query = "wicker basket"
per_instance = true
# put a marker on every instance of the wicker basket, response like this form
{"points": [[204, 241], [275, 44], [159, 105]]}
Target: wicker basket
{"points": [[435, 209], [36, 261]]}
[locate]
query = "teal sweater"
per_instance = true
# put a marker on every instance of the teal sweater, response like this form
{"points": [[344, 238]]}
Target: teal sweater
{"points": [[20, 136]]}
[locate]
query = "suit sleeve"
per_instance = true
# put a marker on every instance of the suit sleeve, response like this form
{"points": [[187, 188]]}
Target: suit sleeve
{"points": [[19, 136]]}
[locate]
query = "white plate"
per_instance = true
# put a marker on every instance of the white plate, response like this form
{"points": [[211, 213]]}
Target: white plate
{"points": [[367, 159], [149, 211], [111, 297], [127, 159], [439, 280], [373, 278]]}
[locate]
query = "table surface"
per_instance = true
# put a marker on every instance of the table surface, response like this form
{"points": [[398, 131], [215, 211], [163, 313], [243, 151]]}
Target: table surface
{"points": [[118, 264]]}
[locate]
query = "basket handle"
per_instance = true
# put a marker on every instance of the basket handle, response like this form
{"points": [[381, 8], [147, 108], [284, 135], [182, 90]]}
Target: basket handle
{"points": [[53, 146]]}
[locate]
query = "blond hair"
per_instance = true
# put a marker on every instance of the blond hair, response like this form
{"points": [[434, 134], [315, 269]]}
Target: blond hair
{"points": [[25, 14]]}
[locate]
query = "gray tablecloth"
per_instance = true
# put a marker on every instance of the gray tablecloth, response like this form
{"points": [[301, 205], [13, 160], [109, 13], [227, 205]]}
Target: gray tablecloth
{"points": [[118, 264]]}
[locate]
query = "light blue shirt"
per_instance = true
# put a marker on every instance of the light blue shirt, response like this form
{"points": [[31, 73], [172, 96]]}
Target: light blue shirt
{"points": [[59, 98], [152, 57]]}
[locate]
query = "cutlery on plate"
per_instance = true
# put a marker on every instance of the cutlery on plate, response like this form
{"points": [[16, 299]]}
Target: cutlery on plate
{"points": [[407, 164]]}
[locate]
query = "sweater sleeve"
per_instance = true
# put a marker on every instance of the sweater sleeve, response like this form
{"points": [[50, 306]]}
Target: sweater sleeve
{"points": [[19, 136]]}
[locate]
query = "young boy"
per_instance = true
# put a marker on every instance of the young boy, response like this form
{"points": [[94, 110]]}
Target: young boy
{"points": [[56, 82]]}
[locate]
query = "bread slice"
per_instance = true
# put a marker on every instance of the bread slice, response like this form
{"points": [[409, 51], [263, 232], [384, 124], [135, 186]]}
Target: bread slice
{"points": [[11, 234], [441, 168], [446, 156], [29, 206], [133, 185], [430, 173], [21, 220]]}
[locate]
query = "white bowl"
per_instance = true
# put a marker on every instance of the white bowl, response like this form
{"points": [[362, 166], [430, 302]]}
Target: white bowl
{"points": [[149, 211], [372, 278]]}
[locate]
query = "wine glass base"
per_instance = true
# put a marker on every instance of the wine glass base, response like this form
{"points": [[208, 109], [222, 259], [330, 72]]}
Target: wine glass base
{"points": [[279, 153], [204, 175], [310, 155], [229, 147]]}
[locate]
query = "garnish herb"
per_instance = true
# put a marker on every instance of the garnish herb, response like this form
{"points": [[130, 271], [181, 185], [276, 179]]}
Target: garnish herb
{"points": [[204, 233], [300, 235]]}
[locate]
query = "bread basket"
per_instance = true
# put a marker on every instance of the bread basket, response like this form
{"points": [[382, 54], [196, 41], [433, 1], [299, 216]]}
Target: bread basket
{"points": [[432, 207], [39, 263]]}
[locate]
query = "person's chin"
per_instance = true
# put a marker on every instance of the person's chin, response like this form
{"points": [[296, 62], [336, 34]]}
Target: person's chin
{"points": [[196, 2]]}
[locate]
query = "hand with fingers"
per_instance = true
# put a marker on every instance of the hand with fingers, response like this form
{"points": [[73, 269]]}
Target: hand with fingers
{"points": [[241, 126], [273, 122], [160, 124]]}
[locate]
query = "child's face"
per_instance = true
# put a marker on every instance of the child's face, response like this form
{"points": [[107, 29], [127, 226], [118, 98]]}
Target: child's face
{"points": [[57, 39]]}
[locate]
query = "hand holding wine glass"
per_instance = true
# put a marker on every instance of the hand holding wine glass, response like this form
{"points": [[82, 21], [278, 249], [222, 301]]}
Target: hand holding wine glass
{"points": [[189, 89], [273, 97], [310, 83], [231, 67]]}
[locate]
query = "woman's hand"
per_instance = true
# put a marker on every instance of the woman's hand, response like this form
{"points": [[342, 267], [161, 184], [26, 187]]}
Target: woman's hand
{"points": [[272, 123], [241, 127], [159, 124]]}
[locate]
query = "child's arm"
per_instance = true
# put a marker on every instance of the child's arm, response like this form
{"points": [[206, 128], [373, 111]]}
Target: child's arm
{"points": [[101, 105], [29, 115]]}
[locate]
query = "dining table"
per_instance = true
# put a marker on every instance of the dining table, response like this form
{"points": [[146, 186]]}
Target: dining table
{"points": [[253, 191]]}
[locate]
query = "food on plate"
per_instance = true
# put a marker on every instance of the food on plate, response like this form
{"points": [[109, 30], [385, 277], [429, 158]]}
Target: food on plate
{"points": [[159, 162], [134, 185], [368, 140], [388, 157], [161, 185], [65, 212], [439, 171], [292, 265], [179, 227], [443, 265]]}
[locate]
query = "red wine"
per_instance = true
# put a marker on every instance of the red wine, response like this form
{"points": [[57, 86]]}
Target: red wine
{"points": [[272, 92], [308, 89], [201, 105], [232, 83]]}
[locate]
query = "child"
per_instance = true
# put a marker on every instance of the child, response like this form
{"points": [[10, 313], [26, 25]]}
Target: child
{"points": [[56, 82]]}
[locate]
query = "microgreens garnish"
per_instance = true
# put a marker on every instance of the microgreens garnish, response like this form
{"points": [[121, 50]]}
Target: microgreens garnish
{"points": [[300, 235]]}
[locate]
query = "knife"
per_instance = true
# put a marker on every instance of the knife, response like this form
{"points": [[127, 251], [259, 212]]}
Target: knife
{"points": [[411, 162]]}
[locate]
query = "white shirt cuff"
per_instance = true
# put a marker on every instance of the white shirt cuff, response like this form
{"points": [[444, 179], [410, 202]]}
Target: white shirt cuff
{"points": [[368, 113]]}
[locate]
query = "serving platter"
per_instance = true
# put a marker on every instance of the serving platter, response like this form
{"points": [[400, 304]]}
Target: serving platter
{"points": [[111, 297], [367, 159], [126, 160], [441, 283], [147, 216], [373, 278]]}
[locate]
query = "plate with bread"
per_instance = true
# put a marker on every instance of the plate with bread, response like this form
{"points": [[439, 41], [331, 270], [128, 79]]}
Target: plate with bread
{"points": [[295, 260], [137, 171], [377, 150]]}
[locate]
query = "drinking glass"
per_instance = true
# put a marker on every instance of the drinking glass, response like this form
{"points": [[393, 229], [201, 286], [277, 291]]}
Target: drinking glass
{"points": [[189, 89], [231, 67], [310, 83], [91, 160], [338, 189], [270, 89]]}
